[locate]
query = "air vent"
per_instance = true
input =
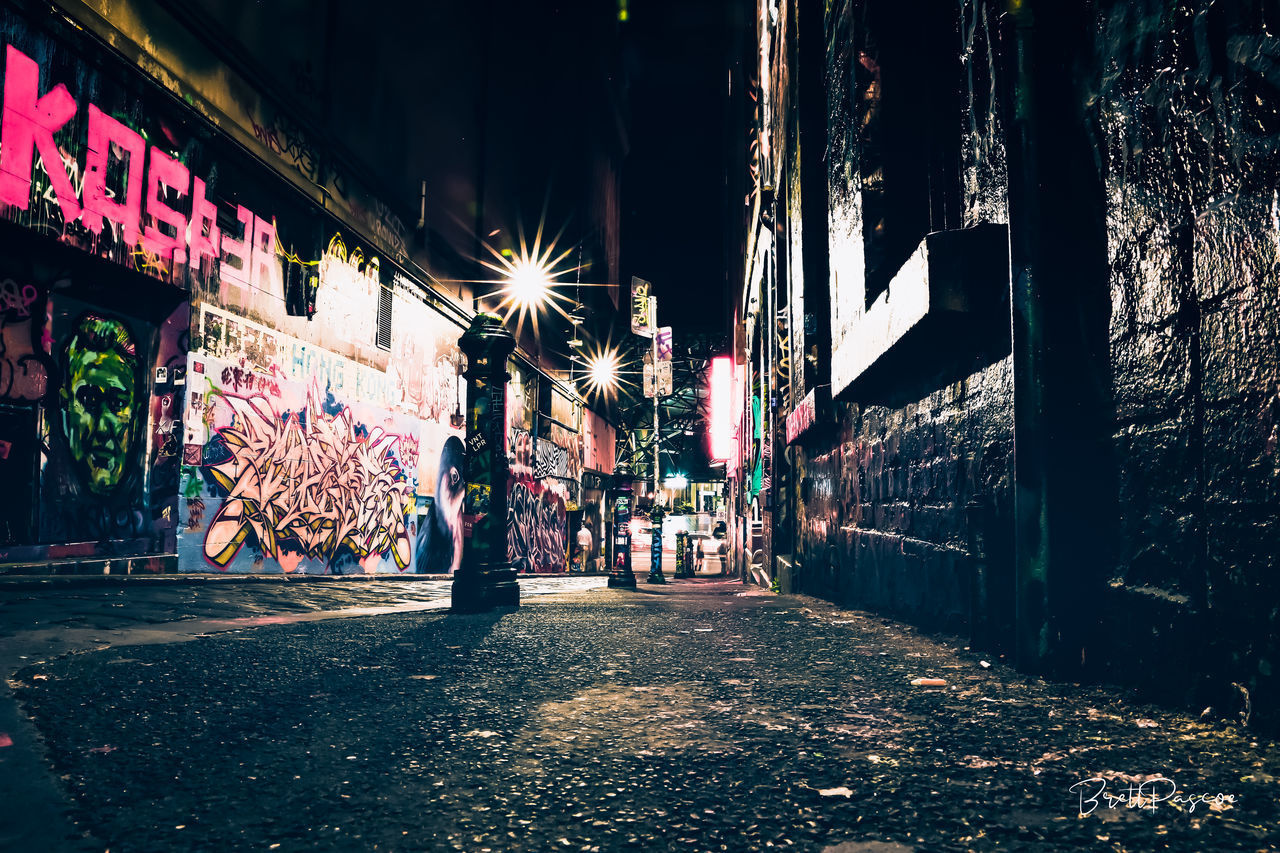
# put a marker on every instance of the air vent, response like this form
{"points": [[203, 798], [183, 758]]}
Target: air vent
{"points": [[384, 318]]}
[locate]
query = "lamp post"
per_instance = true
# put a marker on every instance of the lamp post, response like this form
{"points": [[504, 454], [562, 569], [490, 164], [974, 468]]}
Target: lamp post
{"points": [[621, 575], [485, 579]]}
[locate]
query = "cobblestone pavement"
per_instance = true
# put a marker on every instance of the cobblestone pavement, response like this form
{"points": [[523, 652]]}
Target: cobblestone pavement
{"points": [[47, 617], [695, 716]]}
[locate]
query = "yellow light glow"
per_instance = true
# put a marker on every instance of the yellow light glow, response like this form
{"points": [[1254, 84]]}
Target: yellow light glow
{"points": [[603, 371], [529, 274], [528, 285]]}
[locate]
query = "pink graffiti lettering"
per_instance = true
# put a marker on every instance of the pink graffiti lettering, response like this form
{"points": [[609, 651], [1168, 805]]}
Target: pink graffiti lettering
{"points": [[24, 366], [238, 250], [28, 124], [308, 482], [106, 135], [164, 171], [17, 299], [203, 236]]}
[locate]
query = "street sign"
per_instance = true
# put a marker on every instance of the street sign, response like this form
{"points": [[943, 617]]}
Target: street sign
{"points": [[664, 379], [641, 311], [649, 388], [664, 343]]}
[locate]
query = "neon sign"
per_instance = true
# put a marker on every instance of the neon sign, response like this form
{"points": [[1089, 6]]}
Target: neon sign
{"points": [[721, 407]]}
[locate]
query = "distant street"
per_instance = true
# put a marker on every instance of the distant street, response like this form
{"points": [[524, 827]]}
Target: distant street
{"points": [[700, 715]]}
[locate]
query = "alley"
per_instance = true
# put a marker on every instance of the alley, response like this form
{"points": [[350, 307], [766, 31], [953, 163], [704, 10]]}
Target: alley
{"points": [[703, 715]]}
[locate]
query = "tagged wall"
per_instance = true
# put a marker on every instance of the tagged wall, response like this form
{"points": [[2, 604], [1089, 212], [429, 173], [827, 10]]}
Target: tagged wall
{"points": [[537, 526], [87, 445], [542, 478], [299, 459], [289, 476]]}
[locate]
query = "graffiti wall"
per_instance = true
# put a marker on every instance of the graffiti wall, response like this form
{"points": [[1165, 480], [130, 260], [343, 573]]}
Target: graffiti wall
{"points": [[92, 484], [537, 526], [291, 452], [83, 448], [425, 362], [288, 476], [110, 177], [543, 479]]}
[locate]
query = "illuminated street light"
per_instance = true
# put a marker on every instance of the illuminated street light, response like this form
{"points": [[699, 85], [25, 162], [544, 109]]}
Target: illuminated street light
{"points": [[528, 275], [602, 371], [676, 481], [528, 285]]}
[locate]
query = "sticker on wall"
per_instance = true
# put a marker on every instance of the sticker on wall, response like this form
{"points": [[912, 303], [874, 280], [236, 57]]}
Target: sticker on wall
{"points": [[478, 498], [179, 376], [195, 433], [162, 375]]}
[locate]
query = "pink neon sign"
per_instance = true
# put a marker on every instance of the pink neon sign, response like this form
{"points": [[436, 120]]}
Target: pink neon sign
{"points": [[28, 125], [721, 407]]}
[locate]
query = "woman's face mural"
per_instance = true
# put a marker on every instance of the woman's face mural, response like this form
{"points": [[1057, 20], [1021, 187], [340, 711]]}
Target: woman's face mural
{"points": [[98, 398]]}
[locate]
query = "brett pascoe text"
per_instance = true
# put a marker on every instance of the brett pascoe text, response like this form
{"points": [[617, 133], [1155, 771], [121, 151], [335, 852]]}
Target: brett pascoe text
{"points": [[1095, 792]]}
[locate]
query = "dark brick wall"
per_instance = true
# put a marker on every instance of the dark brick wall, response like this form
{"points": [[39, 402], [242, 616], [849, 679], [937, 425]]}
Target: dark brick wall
{"points": [[909, 510], [1188, 116]]}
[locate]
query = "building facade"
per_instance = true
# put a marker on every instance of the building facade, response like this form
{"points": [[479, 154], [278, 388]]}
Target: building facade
{"points": [[216, 360], [1009, 318]]}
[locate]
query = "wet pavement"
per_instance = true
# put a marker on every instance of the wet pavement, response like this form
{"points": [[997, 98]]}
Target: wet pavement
{"points": [[700, 715]]}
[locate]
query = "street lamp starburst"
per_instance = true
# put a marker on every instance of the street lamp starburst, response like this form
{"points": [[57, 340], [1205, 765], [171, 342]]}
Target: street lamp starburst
{"points": [[528, 275], [603, 374]]}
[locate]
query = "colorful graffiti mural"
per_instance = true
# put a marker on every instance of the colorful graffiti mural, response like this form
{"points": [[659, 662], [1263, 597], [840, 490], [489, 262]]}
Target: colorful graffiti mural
{"points": [[439, 545], [98, 400], [537, 527], [425, 361], [108, 196], [307, 481], [95, 419]]}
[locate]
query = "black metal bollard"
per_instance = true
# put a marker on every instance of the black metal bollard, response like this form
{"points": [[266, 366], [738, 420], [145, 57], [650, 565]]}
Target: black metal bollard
{"points": [[621, 575], [655, 554], [485, 579]]}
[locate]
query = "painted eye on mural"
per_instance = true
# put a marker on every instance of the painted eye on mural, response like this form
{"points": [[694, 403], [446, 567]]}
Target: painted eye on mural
{"points": [[103, 399], [454, 477]]}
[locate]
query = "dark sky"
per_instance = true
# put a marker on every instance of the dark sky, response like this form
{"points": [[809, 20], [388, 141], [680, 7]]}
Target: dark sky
{"points": [[522, 88], [673, 190]]}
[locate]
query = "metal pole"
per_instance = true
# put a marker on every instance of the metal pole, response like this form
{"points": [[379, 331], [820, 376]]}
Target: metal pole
{"points": [[657, 395]]}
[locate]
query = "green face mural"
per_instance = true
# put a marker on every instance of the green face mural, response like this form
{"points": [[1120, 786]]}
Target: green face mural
{"points": [[98, 396]]}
